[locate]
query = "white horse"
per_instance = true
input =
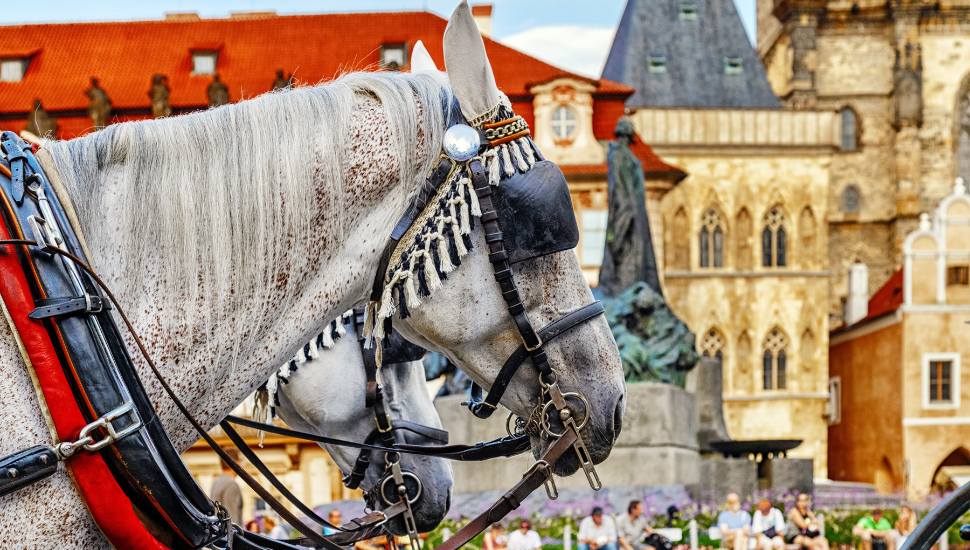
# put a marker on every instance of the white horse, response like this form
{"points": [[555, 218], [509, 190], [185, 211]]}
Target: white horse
{"points": [[325, 396], [233, 235]]}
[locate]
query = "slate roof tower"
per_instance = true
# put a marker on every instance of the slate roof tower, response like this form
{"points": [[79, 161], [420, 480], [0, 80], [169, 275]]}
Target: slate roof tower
{"points": [[687, 53]]}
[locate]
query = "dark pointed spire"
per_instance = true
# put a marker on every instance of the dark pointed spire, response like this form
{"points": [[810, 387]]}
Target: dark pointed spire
{"points": [[687, 53]]}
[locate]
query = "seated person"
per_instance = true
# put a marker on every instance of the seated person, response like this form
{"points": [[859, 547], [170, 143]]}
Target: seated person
{"points": [[905, 525], [875, 527], [597, 532], [809, 533], [495, 538], [768, 525], [524, 538], [632, 527], [735, 524]]}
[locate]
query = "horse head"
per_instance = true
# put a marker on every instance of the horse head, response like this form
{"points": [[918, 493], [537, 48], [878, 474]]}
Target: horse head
{"points": [[323, 391], [470, 313]]}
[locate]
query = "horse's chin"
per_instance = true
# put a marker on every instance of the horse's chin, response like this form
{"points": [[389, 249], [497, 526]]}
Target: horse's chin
{"points": [[598, 446]]}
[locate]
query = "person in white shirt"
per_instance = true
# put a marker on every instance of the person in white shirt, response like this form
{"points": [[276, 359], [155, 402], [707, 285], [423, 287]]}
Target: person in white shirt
{"points": [[597, 531], [524, 538], [768, 524]]}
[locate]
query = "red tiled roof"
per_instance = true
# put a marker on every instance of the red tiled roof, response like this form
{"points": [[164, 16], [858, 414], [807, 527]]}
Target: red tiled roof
{"points": [[124, 56], [651, 163], [886, 300]]}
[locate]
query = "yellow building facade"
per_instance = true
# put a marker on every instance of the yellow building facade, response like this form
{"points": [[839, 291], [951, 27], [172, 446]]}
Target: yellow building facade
{"points": [[745, 265]]}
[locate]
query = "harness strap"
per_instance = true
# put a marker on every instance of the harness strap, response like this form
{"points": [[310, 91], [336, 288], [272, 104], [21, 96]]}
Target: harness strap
{"points": [[504, 447], [547, 333], [239, 470], [25, 467], [60, 307], [255, 460], [532, 480]]}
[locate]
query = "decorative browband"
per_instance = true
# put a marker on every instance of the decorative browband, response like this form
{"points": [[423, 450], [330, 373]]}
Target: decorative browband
{"points": [[504, 131]]}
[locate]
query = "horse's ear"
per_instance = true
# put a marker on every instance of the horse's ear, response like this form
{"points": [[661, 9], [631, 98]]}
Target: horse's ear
{"points": [[421, 61], [468, 68]]}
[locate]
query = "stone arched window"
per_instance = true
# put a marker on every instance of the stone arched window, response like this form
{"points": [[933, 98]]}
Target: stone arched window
{"points": [[743, 237], [712, 345], [774, 239], [711, 239], [851, 199], [850, 137], [775, 360]]}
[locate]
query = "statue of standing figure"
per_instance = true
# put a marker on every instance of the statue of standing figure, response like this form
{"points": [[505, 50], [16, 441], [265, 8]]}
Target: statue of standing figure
{"points": [[159, 96], [40, 123], [282, 83], [217, 92], [628, 256], [100, 108]]}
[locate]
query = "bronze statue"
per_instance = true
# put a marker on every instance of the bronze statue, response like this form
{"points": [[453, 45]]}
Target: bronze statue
{"points": [[217, 92], [100, 108], [282, 83], [40, 123], [159, 96], [628, 256]]}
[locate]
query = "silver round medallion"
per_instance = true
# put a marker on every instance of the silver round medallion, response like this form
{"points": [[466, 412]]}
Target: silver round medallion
{"points": [[461, 142]]}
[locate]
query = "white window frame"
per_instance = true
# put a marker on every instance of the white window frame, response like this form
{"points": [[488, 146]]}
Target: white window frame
{"points": [[214, 55], [21, 64], [581, 248], [955, 375], [552, 122], [401, 47]]}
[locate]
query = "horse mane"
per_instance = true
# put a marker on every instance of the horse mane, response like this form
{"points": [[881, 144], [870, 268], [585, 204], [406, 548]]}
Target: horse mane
{"points": [[223, 200]]}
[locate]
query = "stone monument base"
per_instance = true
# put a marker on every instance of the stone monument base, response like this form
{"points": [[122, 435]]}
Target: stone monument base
{"points": [[657, 444]]}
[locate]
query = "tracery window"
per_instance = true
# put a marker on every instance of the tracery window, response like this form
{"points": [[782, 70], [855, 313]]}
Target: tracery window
{"points": [[851, 199], [712, 239], [712, 345], [775, 361], [774, 239]]}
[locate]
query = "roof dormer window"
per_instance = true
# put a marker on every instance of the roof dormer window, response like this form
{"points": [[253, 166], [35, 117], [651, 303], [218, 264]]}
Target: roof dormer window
{"points": [[733, 65], [688, 12], [12, 69], [393, 56], [656, 64], [204, 62]]}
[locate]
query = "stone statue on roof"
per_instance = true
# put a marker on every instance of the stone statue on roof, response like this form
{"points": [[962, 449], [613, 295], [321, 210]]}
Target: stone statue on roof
{"points": [[100, 107], [628, 255], [282, 83], [159, 96], [217, 92], [40, 123]]}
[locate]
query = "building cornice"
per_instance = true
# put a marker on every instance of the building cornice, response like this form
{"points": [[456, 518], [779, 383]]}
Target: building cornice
{"points": [[861, 329], [741, 274]]}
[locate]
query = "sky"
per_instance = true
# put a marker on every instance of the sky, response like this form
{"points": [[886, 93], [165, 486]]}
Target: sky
{"points": [[572, 34]]}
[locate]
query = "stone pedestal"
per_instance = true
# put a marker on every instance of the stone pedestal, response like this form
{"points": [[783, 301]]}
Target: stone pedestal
{"points": [[719, 476], [792, 474], [657, 444], [706, 382]]}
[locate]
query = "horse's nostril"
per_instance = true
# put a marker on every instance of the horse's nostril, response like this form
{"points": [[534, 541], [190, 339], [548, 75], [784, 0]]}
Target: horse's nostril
{"points": [[618, 418]]}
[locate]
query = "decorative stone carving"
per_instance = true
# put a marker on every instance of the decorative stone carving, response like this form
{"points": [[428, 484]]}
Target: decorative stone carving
{"points": [[159, 96], [280, 82], [217, 92], [40, 123], [100, 107], [908, 93], [628, 256]]}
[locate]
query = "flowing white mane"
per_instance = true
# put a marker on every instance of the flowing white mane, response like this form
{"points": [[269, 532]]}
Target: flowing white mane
{"points": [[224, 199]]}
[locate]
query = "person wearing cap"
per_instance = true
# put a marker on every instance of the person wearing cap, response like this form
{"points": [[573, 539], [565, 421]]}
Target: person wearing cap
{"points": [[768, 525], [597, 532], [524, 538], [875, 527]]}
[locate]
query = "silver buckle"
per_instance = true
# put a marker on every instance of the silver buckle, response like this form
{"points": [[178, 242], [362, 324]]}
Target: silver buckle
{"points": [[88, 307], [86, 441]]}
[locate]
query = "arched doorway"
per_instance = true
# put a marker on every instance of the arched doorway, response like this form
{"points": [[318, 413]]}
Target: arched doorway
{"points": [[953, 472]]}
